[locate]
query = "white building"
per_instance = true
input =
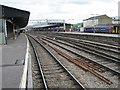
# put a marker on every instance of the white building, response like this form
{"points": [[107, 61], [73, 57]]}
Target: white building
{"points": [[115, 20], [102, 19]]}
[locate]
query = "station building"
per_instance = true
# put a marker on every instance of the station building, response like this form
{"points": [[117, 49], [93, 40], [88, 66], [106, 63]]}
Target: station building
{"points": [[11, 20], [101, 19], [115, 20]]}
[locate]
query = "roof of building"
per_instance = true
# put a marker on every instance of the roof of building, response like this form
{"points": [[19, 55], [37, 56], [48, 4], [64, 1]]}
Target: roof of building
{"points": [[95, 17], [51, 25], [18, 17]]}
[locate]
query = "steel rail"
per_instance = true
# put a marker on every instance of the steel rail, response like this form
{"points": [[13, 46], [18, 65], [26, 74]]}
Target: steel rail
{"points": [[116, 72], [82, 61], [99, 47], [77, 82], [101, 44], [90, 42], [94, 52], [39, 64], [71, 59], [99, 53]]}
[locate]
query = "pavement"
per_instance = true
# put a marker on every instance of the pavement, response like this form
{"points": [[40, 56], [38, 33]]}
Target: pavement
{"points": [[13, 56], [95, 34]]}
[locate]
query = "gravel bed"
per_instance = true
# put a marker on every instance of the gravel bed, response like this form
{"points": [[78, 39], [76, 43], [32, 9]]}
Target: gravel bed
{"points": [[95, 58], [101, 49], [93, 48], [37, 82], [55, 77], [86, 78]]}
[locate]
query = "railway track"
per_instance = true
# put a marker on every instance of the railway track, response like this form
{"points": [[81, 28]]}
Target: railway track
{"points": [[109, 65], [93, 50], [106, 47], [51, 72]]}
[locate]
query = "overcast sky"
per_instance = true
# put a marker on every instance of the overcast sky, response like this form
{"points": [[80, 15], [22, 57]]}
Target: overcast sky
{"points": [[71, 10]]}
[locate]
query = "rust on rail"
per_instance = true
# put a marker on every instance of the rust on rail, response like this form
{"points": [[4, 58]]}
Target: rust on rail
{"points": [[84, 62], [76, 62], [90, 65]]}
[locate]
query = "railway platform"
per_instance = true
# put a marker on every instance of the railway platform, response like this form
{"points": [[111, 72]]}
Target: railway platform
{"points": [[112, 39], [13, 62]]}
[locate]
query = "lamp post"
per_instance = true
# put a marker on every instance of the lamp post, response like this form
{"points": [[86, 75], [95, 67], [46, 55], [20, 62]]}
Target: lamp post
{"points": [[64, 26], [94, 15], [71, 21]]}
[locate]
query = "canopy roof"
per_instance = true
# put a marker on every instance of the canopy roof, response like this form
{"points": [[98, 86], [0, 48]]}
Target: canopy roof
{"points": [[16, 16]]}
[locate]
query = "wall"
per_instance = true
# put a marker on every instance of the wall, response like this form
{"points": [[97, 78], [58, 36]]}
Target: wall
{"points": [[89, 23], [104, 20], [101, 20]]}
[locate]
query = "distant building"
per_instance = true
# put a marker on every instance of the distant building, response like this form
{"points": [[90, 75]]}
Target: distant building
{"points": [[115, 20], [101, 19]]}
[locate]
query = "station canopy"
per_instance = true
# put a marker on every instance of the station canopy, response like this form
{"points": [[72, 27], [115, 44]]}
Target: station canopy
{"points": [[18, 17], [51, 25]]}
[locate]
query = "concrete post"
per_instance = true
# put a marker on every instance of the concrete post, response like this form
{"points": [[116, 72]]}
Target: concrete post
{"points": [[119, 12], [5, 31], [1, 31], [14, 33], [1, 47], [1, 35]]}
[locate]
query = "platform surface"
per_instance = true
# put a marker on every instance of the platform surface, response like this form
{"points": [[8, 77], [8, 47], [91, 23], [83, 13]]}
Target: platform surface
{"points": [[95, 34], [11, 72]]}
